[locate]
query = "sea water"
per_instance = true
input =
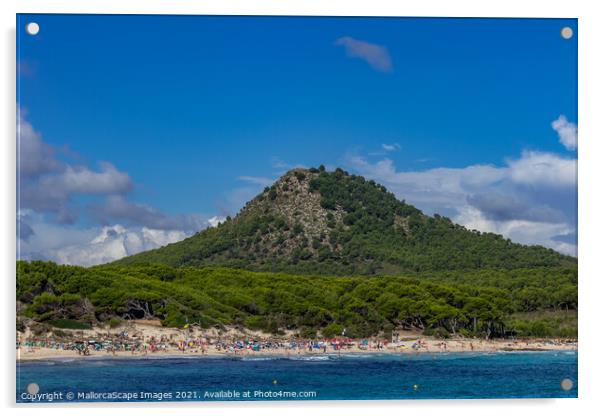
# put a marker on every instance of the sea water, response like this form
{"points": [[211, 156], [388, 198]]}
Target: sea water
{"points": [[319, 377]]}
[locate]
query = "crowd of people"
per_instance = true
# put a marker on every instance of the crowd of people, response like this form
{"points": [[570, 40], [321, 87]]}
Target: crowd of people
{"points": [[139, 342], [125, 343]]}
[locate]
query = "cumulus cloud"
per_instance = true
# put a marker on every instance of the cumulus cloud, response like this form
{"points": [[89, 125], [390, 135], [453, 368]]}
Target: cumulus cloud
{"points": [[429, 189], [567, 132], [504, 207], [82, 180], [54, 193], [49, 199], [48, 237], [34, 157], [545, 169], [48, 185], [520, 231], [112, 243], [531, 200], [24, 230], [93, 245], [376, 56], [117, 209]]}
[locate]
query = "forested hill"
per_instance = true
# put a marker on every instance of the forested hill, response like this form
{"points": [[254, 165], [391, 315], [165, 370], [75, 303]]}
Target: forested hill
{"points": [[320, 222]]}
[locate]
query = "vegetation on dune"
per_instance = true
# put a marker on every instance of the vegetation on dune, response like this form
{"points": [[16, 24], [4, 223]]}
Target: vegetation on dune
{"points": [[546, 323], [318, 222], [68, 324], [482, 303]]}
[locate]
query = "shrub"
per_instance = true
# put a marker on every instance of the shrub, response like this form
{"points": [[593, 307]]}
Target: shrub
{"points": [[307, 333], [20, 325], [256, 323], [300, 176], [297, 229], [114, 322], [332, 330], [438, 332]]}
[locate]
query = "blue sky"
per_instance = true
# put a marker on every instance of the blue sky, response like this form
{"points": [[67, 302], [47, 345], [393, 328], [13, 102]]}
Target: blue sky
{"points": [[195, 114]]}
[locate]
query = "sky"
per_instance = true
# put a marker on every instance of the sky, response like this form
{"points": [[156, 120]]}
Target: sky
{"points": [[137, 131]]}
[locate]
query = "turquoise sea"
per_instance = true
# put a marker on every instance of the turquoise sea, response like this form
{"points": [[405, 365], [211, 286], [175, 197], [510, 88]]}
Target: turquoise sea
{"points": [[320, 377]]}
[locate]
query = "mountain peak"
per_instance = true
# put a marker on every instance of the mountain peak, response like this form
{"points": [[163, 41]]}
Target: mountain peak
{"points": [[293, 221], [318, 221]]}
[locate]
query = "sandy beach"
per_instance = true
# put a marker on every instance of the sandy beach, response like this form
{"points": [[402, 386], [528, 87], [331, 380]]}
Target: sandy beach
{"points": [[150, 340]]}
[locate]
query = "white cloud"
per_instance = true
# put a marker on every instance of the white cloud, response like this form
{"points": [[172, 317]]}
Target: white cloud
{"points": [[47, 237], [376, 56], [118, 209], [257, 180], [531, 200], [215, 221], [519, 231], [47, 185], [391, 147], [567, 132], [24, 230], [505, 206], [47, 199], [54, 193], [113, 243], [92, 245], [526, 199], [82, 180], [446, 187], [546, 169], [34, 157]]}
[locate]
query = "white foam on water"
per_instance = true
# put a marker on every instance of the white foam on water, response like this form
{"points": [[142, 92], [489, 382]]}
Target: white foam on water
{"points": [[261, 358], [311, 358]]}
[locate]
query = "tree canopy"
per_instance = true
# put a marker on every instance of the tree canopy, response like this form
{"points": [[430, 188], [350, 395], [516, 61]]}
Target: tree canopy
{"points": [[483, 303]]}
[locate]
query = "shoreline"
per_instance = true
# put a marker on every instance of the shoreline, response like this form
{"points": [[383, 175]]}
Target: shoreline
{"points": [[104, 357], [52, 354], [146, 339]]}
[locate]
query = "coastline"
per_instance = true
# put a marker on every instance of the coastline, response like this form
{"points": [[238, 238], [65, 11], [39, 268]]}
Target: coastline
{"points": [[147, 339], [428, 346]]}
